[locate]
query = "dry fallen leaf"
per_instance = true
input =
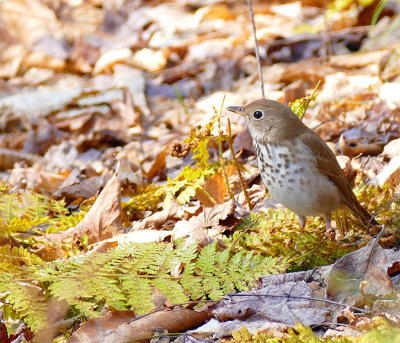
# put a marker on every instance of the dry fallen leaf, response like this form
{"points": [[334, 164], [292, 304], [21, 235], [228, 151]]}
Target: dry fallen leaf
{"points": [[214, 187], [359, 274], [102, 221], [141, 329], [211, 222], [94, 330]]}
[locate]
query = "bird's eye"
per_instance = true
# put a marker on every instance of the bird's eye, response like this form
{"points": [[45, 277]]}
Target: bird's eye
{"points": [[258, 114]]}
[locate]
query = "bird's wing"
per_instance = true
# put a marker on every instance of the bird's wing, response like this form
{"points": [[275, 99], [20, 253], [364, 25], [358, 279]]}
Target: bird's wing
{"points": [[329, 166]]}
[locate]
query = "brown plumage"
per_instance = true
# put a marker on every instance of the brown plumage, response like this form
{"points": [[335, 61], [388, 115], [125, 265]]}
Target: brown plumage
{"points": [[296, 165]]}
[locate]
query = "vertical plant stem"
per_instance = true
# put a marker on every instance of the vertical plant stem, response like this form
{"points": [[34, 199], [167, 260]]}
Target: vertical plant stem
{"points": [[220, 152], [256, 47], [308, 100], [237, 165]]}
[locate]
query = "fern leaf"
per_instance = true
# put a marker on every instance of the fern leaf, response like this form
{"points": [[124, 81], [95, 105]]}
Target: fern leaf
{"points": [[26, 299], [171, 289], [11, 258], [139, 293]]}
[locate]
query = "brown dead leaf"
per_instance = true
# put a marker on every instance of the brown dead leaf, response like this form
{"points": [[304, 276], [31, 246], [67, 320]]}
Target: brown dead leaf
{"points": [[215, 187], [41, 136], [360, 273], [359, 60], [102, 221], [142, 328], [294, 91], [255, 307], [131, 117], [392, 149], [243, 141], [105, 212], [210, 223], [95, 330], [129, 175], [390, 174], [158, 165], [354, 147], [83, 190], [61, 156], [158, 218]]}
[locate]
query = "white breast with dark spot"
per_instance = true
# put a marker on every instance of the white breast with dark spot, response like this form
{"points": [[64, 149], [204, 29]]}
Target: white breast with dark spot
{"points": [[293, 179]]}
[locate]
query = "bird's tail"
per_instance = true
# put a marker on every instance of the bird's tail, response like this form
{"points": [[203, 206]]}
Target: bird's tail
{"points": [[362, 215]]}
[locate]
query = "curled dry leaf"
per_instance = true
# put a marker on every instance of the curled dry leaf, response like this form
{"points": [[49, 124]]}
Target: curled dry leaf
{"points": [[158, 165], [354, 147], [102, 221], [390, 174], [123, 329], [158, 218], [213, 192], [94, 330], [359, 274], [209, 224], [109, 58], [392, 149]]}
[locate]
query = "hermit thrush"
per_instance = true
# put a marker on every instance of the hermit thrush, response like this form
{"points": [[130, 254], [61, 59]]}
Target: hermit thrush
{"points": [[297, 167]]}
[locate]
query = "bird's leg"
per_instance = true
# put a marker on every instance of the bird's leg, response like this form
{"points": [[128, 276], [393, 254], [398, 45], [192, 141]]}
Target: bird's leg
{"points": [[302, 220], [329, 233], [328, 221]]}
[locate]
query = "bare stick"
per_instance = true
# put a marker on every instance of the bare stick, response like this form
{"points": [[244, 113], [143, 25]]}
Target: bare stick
{"points": [[221, 155], [253, 24], [237, 165]]}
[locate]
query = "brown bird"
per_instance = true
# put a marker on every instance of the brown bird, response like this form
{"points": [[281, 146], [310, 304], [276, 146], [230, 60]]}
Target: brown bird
{"points": [[297, 167]]}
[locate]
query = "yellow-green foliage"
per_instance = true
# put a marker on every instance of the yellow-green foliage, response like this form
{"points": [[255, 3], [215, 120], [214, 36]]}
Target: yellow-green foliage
{"points": [[21, 298], [276, 233], [380, 331], [13, 257], [299, 106], [29, 211], [191, 177], [34, 212], [336, 6], [127, 276]]}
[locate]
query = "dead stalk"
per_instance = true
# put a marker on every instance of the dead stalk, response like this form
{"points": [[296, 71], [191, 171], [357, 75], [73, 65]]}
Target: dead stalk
{"points": [[236, 163]]}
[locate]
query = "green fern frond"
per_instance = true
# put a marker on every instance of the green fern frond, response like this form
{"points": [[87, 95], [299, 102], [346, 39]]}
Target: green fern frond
{"points": [[276, 234], [62, 223], [11, 258], [32, 211], [129, 276], [139, 293], [26, 299]]}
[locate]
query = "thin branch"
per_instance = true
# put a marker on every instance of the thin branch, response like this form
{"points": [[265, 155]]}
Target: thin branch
{"points": [[299, 297], [221, 155], [237, 165], [256, 47]]}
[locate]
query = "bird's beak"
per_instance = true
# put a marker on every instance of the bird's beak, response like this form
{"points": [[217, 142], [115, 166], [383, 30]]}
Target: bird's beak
{"points": [[237, 109]]}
